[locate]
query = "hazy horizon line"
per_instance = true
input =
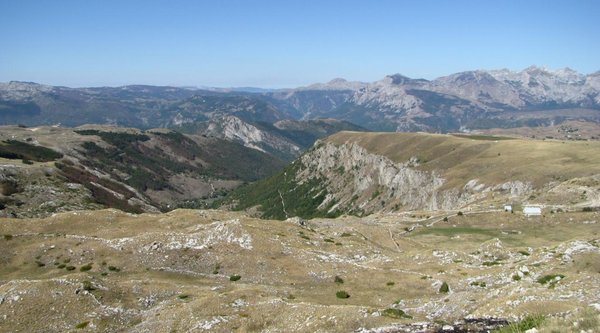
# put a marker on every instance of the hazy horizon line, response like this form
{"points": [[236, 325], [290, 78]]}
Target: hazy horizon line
{"points": [[282, 87]]}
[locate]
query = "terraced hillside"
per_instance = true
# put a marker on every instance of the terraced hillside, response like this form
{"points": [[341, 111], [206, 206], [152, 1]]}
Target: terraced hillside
{"points": [[363, 173], [217, 271]]}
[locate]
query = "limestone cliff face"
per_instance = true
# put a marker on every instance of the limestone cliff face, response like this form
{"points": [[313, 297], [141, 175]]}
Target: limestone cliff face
{"points": [[364, 173], [369, 182], [234, 129], [357, 181]]}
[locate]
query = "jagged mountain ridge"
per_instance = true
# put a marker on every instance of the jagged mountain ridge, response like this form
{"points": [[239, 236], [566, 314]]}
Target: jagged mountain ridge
{"points": [[365, 173], [533, 87], [466, 100], [246, 118]]}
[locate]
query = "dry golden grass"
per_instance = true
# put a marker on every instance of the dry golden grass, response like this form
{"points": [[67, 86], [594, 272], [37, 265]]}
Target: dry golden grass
{"points": [[164, 278], [461, 158], [573, 129]]}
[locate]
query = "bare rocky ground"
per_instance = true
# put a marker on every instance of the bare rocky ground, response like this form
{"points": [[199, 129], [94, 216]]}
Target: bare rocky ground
{"points": [[109, 271]]}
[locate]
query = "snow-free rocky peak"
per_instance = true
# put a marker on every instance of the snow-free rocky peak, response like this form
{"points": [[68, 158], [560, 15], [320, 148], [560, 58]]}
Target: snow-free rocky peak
{"points": [[336, 84]]}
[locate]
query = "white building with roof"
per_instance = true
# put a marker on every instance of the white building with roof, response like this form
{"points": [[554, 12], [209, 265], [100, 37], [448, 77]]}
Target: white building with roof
{"points": [[530, 210]]}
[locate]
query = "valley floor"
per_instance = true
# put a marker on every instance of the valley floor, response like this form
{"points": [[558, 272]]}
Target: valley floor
{"points": [[217, 271]]}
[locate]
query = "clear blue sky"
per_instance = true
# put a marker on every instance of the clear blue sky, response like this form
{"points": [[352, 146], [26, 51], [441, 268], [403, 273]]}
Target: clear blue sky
{"points": [[286, 43]]}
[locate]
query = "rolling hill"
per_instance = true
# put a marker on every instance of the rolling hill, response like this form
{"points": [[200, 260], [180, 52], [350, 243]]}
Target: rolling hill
{"points": [[363, 173], [49, 169]]}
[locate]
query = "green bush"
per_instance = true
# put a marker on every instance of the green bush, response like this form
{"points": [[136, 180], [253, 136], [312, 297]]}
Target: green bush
{"points": [[82, 325], [529, 322], [375, 194], [12, 149], [547, 278], [234, 277], [550, 278], [8, 237], [444, 288], [395, 313], [85, 268], [491, 263], [113, 269], [390, 283], [87, 285], [481, 284], [342, 294], [70, 268]]}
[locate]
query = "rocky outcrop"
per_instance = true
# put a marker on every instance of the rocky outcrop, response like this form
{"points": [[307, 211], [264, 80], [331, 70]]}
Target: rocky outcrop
{"points": [[234, 129], [367, 181], [362, 182], [364, 173], [466, 100]]}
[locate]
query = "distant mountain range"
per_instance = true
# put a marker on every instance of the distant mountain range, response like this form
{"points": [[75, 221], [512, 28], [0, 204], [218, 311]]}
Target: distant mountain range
{"points": [[466, 100], [462, 101]]}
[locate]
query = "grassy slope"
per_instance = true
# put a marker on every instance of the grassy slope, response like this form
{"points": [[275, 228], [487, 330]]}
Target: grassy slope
{"points": [[575, 129], [280, 196], [463, 158], [150, 160], [457, 158], [173, 152], [165, 167]]}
